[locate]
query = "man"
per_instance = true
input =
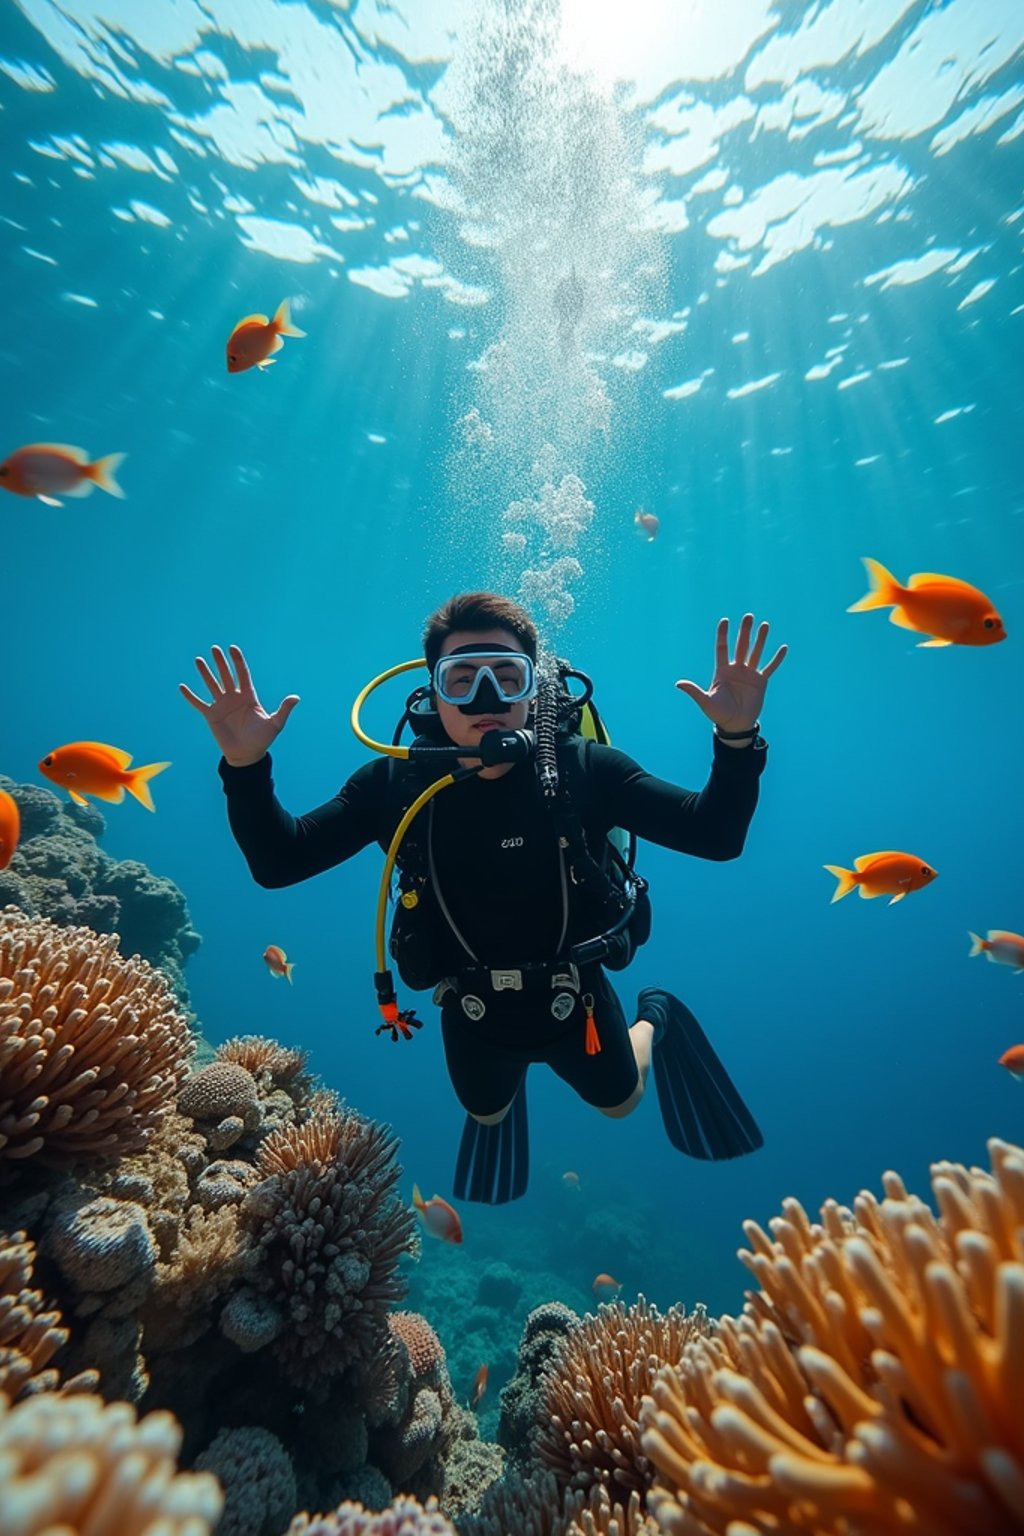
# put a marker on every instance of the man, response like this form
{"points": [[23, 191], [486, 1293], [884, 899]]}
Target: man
{"points": [[498, 901]]}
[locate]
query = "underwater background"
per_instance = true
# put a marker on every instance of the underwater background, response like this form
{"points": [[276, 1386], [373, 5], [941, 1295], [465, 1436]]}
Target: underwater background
{"points": [[794, 234]]}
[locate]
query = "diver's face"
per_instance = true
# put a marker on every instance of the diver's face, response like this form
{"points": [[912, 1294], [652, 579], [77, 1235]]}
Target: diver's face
{"points": [[466, 730]]}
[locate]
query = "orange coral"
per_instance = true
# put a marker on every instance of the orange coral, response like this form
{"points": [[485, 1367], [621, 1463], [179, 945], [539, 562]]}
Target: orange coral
{"points": [[592, 1391], [92, 1046], [874, 1384], [426, 1352], [29, 1336], [320, 1140]]}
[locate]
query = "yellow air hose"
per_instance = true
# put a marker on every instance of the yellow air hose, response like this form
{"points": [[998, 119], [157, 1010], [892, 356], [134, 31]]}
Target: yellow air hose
{"points": [[395, 1019]]}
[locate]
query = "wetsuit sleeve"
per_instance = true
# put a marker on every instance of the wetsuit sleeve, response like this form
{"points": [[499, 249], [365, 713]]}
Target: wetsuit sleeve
{"points": [[282, 849], [710, 823]]}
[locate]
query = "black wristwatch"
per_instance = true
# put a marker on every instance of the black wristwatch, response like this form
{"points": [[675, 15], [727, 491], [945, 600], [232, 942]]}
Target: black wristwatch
{"points": [[753, 732]]}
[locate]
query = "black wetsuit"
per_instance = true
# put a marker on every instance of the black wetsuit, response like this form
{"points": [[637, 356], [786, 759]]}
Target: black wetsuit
{"points": [[497, 866]]}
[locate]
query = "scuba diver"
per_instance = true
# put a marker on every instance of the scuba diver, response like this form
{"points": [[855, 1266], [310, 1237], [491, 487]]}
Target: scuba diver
{"points": [[504, 821]]}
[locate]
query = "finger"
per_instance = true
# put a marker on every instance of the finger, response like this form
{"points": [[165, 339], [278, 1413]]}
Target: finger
{"points": [[759, 644], [208, 678], [227, 677], [776, 661], [693, 691], [743, 638], [284, 709], [242, 668], [722, 645], [193, 698]]}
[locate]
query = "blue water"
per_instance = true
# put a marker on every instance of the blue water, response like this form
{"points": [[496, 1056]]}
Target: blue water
{"points": [[259, 511]]}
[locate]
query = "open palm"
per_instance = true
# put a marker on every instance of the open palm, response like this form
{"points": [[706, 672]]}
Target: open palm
{"points": [[240, 725], [736, 692]]}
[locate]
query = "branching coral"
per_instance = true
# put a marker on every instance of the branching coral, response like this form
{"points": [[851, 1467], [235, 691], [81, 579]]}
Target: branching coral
{"points": [[210, 1255], [30, 1336], [329, 1229], [92, 1046], [259, 1055], [405, 1517], [78, 1465], [873, 1386], [593, 1388]]}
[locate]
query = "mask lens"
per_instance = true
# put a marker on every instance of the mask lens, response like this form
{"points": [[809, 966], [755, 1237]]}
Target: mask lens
{"points": [[457, 678]]}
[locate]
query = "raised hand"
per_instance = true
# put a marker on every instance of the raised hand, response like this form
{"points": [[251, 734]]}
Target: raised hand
{"points": [[240, 725], [736, 692]]}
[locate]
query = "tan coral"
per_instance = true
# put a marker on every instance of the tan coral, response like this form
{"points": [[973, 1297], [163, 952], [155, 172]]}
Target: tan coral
{"points": [[220, 1091], [92, 1046], [257, 1054], [79, 1465], [30, 1336], [593, 1388], [103, 1244], [873, 1386], [404, 1517], [210, 1255]]}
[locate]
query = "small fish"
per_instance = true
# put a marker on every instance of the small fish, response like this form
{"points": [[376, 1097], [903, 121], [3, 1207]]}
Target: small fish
{"points": [[278, 963], [438, 1217], [51, 470], [255, 339], [882, 874], [1013, 1061], [647, 523], [571, 1180], [10, 827], [479, 1386], [951, 611], [92, 768], [606, 1287], [1002, 947]]}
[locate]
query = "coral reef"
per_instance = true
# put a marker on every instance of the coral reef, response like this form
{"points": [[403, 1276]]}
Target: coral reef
{"points": [[59, 872], [522, 1405], [406, 1517], [92, 1046], [593, 1387], [537, 1506], [30, 1335], [256, 1474], [872, 1385], [328, 1229], [76, 1464]]}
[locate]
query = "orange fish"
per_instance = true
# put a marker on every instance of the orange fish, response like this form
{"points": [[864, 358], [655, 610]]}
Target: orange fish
{"points": [[479, 1386], [255, 339], [52, 470], [91, 768], [1013, 1061], [606, 1286], [882, 874], [10, 827], [438, 1217], [951, 611], [278, 963], [647, 523], [571, 1180], [1002, 947]]}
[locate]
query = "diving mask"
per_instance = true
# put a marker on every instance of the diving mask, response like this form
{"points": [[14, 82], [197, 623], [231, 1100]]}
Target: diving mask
{"points": [[478, 681]]}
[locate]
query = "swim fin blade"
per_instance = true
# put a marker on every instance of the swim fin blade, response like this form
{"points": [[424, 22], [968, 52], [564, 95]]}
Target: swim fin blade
{"points": [[493, 1164], [703, 1112]]}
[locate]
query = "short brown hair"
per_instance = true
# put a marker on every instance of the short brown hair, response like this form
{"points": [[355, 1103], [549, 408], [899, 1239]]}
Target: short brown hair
{"points": [[473, 611]]}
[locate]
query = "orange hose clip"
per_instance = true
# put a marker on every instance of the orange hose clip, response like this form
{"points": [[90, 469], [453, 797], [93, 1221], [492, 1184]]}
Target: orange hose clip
{"points": [[593, 1038]]}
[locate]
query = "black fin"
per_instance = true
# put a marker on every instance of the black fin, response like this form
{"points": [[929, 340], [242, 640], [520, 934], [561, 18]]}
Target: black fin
{"points": [[703, 1112], [493, 1165]]}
